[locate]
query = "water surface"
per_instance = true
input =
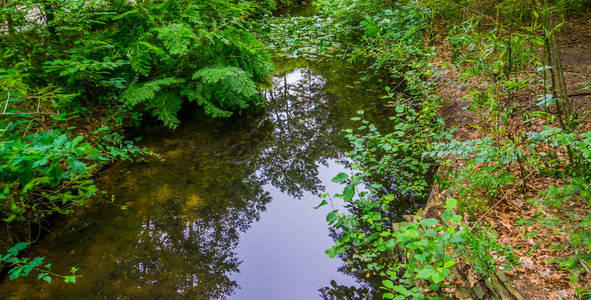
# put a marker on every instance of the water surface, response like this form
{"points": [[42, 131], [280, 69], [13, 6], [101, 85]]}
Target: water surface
{"points": [[228, 210]]}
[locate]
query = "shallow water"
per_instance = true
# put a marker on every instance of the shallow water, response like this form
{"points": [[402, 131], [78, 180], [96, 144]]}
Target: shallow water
{"points": [[228, 210]]}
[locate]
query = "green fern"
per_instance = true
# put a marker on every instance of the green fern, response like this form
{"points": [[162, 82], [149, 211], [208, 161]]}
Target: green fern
{"points": [[223, 88], [247, 52], [176, 38], [140, 92], [142, 57], [165, 106]]}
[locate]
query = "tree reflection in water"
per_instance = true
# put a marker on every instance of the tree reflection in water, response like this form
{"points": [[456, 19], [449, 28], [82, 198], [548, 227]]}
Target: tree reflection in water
{"points": [[298, 107]]}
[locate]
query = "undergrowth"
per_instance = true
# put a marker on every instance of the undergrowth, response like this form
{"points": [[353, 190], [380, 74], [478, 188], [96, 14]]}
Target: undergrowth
{"points": [[527, 129]]}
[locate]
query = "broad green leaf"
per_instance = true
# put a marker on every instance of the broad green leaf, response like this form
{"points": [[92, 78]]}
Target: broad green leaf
{"points": [[429, 222], [340, 177], [401, 290], [55, 174], [331, 216], [18, 247], [425, 273], [348, 193], [437, 277], [388, 284], [451, 203], [456, 239], [77, 166], [430, 233], [449, 264]]}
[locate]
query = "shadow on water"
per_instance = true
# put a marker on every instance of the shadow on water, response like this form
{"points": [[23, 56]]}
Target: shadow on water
{"points": [[224, 191]]}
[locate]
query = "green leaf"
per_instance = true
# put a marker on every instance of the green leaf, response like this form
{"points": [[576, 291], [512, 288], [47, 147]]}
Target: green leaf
{"points": [[18, 248], [331, 216], [429, 222], [390, 244], [40, 162], [55, 174], [456, 219], [47, 278], [456, 239], [447, 215], [348, 192], [331, 252], [451, 203], [77, 166], [401, 290], [36, 261], [388, 284], [323, 203], [449, 264], [430, 233], [425, 273], [15, 273], [340, 177], [437, 277], [399, 108]]}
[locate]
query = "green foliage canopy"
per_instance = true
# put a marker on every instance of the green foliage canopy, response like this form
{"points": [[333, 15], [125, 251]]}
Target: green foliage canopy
{"points": [[149, 55]]}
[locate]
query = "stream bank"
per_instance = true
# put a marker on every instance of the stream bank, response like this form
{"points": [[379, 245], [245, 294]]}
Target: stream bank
{"points": [[519, 217]]}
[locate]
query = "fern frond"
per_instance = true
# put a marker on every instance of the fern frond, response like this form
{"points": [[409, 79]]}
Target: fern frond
{"points": [[130, 13], [165, 106], [221, 89], [232, 79], [176, 38], [143, 56], [192, 14], [140, 92], [247, 52]]}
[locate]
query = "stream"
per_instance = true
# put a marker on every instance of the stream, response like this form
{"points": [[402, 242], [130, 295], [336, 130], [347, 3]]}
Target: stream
{"points": [[227, 210]]}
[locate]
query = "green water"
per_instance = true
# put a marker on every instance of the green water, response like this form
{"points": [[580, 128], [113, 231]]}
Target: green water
{"points": [[227, 210]]}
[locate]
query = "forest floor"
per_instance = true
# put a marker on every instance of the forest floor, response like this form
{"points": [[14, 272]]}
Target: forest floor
{"points": [[537, 246]]}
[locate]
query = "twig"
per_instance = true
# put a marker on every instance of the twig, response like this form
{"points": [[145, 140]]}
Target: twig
{"points": [[585, 266], [28, 113], [500, 200], [580, 94], [3, 131], [28, 126], [6, 105]]}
